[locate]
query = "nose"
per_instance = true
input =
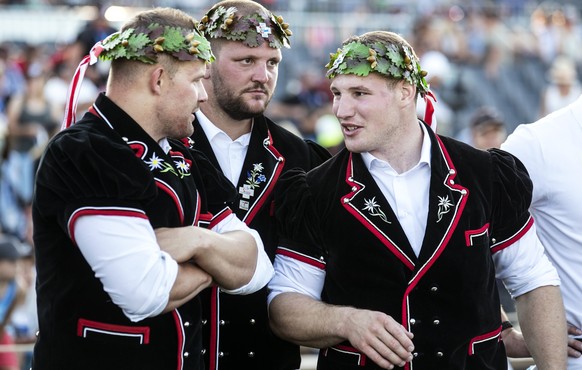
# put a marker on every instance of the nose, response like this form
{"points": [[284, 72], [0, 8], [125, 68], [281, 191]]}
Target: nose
{"points": [[261, 73], [202, 94], [342, 108]]}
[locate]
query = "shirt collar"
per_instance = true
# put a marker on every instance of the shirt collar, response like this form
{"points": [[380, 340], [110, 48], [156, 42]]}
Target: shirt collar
{"points": [[212, 132], [370, 160], [165, 145]]}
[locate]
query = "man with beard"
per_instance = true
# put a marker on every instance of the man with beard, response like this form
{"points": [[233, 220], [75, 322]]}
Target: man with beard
{"points": [[252, 151]]}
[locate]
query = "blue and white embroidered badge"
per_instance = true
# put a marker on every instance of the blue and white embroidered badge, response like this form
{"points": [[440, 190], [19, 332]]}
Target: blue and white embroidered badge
{"points": [[253, 181]]}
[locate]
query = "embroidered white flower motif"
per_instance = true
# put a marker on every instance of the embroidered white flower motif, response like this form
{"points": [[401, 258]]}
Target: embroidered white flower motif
{"points": [[182, 166], [154, 162], [255, 177], [258, 167], [444, 206], [373, 209]]}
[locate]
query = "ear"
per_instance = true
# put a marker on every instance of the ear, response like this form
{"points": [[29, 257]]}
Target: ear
{"points": [[408, 92], [208, 72], [156, 79]]}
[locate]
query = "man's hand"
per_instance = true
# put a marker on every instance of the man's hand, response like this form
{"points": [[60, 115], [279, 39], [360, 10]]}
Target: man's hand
{"points": [[574, 346], [380, 337], [514, 343]]}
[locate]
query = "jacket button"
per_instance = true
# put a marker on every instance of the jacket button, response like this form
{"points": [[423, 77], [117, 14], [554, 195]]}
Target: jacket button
{"points": [[186, 354], [203, 351], [252, 321], [434, 289], [220, 354], [204, 322], [251, 354], [436, 322], [412, 321], [222, 322], [187, 324], [439, 354]]}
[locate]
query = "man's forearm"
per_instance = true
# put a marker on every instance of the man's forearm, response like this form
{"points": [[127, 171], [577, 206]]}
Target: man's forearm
{"points": [[543, 323], [303, 320]]}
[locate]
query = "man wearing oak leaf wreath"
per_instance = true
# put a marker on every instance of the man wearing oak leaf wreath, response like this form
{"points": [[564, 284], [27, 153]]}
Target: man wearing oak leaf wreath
{"points": [[130, 224], [389, 250], [253, 152]]}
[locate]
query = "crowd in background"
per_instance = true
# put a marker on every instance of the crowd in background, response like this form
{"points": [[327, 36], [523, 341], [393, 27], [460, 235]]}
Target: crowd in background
{"points": [[491, 68]]}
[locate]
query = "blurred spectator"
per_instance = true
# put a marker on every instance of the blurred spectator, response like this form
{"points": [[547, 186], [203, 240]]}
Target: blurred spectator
{"points": [[55, 90], [10, 293], [563, 88], [487, 129], [498, 42], [11, 77], [440, 78], [93, 32], [24, 318]]}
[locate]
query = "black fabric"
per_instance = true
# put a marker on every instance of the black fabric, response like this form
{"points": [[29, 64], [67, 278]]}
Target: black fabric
{"points": [[246, 340], [104, 163], [448, 291]]}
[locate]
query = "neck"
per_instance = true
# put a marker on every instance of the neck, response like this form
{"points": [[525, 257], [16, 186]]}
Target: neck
{"points": [[219, 118], [403, 151]]}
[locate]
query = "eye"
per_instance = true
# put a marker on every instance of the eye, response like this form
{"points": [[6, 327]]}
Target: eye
{"points": [[273, 63], [247, 61]]}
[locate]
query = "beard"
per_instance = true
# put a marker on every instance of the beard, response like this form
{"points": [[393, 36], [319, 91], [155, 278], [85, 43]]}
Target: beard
{"points": [[233, 103]]}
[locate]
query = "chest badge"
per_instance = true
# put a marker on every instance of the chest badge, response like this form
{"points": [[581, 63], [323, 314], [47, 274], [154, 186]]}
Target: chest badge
{"points": [[373, 209], [444, 207], [254, 179]]}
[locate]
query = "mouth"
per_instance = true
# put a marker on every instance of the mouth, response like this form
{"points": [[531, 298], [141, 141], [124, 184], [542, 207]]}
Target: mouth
{"points": [[349, 128]]}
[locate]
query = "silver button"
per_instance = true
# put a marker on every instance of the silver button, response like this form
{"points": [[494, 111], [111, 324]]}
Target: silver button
{"points": [[280, 159], [203, 351], [452, 171], [187, 324], [434, 289], [412, 321], [439, 354], [415, 354], [204, 322], [186, 354], [464, 192], [251, 354], [222, 322], [221, 354], [346, 200], [436, 322], [252, 321], [493, 240]]}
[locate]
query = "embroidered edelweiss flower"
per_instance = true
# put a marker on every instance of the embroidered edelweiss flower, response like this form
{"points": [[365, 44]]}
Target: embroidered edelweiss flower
{"points": [[182, 166], [374, 209], [444, 206], [258, 167], [154, 162]]}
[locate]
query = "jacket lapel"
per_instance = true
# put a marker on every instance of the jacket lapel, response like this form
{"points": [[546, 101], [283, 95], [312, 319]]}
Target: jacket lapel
{"points": [[367, 204], [261, 169], [447, 201]]}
